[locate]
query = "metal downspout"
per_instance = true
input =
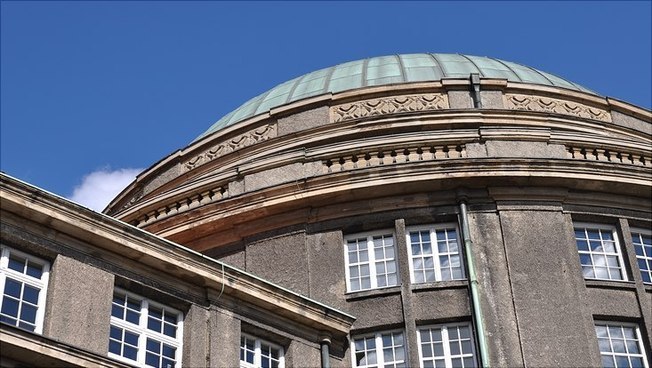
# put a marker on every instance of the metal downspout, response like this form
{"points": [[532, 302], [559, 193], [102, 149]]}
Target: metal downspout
{"points": [[325, 353], [475, 298]]}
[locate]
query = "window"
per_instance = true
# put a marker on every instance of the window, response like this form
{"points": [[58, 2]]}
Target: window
{"points": [[370, 262], [144, 332], [620, 345], [23, 281], [385, 349], [446, 346], [257, 353], [435, 254], [599, 252], [643, 244]]}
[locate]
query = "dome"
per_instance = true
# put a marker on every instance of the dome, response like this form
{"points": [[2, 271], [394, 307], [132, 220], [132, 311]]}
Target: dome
{"points": [[386, 70]]}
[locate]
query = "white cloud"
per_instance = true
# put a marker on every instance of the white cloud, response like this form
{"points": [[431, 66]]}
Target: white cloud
{"points": [[98, 188]]}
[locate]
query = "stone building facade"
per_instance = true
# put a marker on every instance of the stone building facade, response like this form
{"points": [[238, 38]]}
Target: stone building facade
{"points": [[417, 210]]}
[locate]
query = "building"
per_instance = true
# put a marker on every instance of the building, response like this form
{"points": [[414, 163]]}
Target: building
{"points": [[412, 210]]}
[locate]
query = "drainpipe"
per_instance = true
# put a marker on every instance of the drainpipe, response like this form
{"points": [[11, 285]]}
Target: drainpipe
{"points": [[475, 90], [325, 353], [475, 298]]}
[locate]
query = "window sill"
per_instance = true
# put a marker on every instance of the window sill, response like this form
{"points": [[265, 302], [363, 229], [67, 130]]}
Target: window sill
{"points": [[608, 284], [437, 285], [363, 294]]}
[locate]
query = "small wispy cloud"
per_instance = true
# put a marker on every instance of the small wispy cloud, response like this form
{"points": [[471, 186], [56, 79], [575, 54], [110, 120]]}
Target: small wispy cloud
{"points": [[98, 188]]}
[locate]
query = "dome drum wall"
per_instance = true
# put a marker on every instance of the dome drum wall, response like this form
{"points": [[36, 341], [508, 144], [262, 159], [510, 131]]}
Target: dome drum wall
{"points": [[193, 160]]}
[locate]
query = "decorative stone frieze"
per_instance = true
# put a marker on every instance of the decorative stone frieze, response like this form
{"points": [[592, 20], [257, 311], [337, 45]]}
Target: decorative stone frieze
{"points": [[192, 201], [552, 105], [388, 105], [393, 156], [601, 154], [247, 139]]}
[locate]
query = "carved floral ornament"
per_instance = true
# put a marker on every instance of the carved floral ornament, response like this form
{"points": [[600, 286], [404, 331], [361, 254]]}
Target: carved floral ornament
{"points": [[544, 104], [247, 139], [389, 105]]}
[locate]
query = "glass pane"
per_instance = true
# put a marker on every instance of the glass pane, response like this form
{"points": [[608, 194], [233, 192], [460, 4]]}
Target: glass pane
{"points": [[637, 362], [167, 363], [608, 362], [10, 307], [622, 362], [601, 331], [616, 332], [170, 330], [455, 348], [28, 313], [609, 247], [131, 338], [12, 287], [115, 333], [468, 362], [169, 351], [151, 360], [632, 347], [130, 352], [30, 294], [466, 347], [456, 363], [132, 316], [439, 349], [114, 347], [116, 311], [153, 345], [427, 351], [618, 345], [16, 264], [582, 245], [34, 270], [605, 345], [154, 324]]}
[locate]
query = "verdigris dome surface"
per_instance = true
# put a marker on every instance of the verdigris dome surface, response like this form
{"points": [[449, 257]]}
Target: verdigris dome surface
{"points": [[385, 70]]}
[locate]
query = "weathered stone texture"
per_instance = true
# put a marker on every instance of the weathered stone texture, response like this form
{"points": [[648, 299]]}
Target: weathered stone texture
{"points": [[71, 317], [281, 260], [492, 99], [546, 287], [303, 120], [631, 122], [440, 304], [524, 149], [196, 337], [496, 297], [460, 100], [224, 339], [302, 355], [326, 262]]}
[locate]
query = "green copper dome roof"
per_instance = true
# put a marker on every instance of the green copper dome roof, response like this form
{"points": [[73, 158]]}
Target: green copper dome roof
{"points": [[384, 70]]}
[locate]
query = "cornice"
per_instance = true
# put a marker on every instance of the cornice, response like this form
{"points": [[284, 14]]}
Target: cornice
{"points": [[112, 235]]}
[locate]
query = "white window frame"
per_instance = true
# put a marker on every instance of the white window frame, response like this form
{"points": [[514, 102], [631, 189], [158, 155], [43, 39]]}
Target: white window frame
{"points": [[435, 249], [646, 257], [41, 284], [371, 261], [639, 340], [619, 250], [258, 352], [446, 342], [380, 357], [143, 332]]}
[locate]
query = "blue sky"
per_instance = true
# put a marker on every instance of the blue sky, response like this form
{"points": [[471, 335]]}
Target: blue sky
{"points": [[116, 86]]}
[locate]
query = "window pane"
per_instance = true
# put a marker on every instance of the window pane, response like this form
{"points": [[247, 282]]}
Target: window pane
{"points": [[34, 270], [28, 313], [16, 263], [9, 307], [30, 294], [12, 288]]}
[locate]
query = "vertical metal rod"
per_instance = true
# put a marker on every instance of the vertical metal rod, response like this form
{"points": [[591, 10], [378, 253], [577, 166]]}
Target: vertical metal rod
{"points": [[475, 297]]}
